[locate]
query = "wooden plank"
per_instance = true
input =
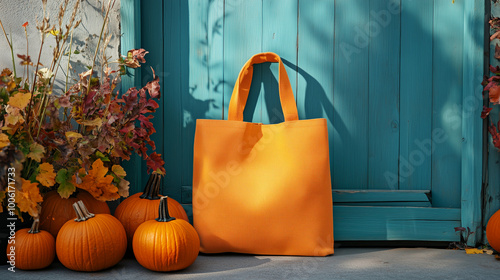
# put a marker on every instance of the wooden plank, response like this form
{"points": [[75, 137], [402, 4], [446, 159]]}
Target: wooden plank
{"points": [[152, 13], [201, 101], [390, 223], [386, 203], [379, 196], [175, 52], [242, 39], [316, 67], [130, 11], [350, 147], [278, 36], [356, 196], [447, 101], [395, 223], [415, 96], [472, 126], [383, 81]]}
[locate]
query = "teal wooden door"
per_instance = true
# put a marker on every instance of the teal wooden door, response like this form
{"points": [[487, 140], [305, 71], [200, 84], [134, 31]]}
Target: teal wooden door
{"points": [[388, 75]]}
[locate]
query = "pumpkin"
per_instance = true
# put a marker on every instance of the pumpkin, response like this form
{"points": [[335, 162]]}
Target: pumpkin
{"points": [[167, 243], [33, 248], [142, 207], [493, 231], [91, 242], [57, 210]]}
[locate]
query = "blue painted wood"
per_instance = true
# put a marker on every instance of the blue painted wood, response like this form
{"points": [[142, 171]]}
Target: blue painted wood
{"points": [[383, 107], [395, 223], [415, 96], [131, 25], [350, 145], [175, 65], [242, 39], [447, 101], [154, 59], [204, 99], [472, 126], [380, 196], [315, 66], [279, 35]]}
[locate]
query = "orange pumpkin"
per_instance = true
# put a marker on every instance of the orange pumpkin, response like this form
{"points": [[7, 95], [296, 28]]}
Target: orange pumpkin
{"points": [[167, 243], [33, 248], [493, 231], [57, 210], [142, 207], [91, 242]]}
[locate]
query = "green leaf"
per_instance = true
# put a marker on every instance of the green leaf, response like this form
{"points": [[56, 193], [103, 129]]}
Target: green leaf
{"points": [[101, 156], [76, 52], [66, 187], [89, 67]]}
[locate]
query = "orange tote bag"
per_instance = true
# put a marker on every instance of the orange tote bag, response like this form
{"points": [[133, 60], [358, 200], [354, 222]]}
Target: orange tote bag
{"points": [[263, 189]]}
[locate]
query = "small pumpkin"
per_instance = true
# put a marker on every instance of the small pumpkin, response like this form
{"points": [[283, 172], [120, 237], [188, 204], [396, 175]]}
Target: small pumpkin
{"points": [[57, 210], [91, 242], [33, 248], [493, 231], [142, 207], [167, 243]]}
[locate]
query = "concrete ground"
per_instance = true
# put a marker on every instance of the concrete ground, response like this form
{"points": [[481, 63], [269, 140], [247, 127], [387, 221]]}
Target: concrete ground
{"points": [[347, 263]]}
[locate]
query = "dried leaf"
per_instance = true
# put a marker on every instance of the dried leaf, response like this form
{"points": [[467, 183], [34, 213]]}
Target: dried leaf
{"points": [[98, 184], [472, 251], [486, 111], [20, 100], [95, 122], [123, 188], [119, 171], [28, 198], [494, 93], [36, 152], [73, 137], [46, 175], [4, 140]]}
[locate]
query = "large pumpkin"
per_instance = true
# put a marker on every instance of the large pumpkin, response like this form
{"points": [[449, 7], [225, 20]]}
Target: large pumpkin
{"points": [[57, 210], [493, 231], [33, 248], [91, 242], [167, 243], [142, 207]]}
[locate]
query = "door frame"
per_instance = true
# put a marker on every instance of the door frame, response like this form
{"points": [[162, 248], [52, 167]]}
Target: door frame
{"points": [[472, 125]]}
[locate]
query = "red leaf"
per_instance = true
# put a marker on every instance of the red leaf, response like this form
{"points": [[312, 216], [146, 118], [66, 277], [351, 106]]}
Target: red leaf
{"points": [[25, 24], [495, 135], [155, 163], [153, 86], [485, 112], [494, 94]]}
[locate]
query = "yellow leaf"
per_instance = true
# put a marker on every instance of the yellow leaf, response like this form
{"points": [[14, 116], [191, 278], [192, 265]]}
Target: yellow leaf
{"points": [[46, 176], [73, 137], [4, 140], [28, 198], [56, 32], [118, 170], [95, 122], [472, 251], [123, 188], [20, 100], [2, 196], [36, 152]]}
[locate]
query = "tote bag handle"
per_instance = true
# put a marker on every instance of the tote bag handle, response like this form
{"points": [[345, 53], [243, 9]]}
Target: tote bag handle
{"points": [[242, 88]]}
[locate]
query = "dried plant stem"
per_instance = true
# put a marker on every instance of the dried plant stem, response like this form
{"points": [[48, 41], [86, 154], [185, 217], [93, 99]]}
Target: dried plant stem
{"points": [[11, 48], [27, 54], [69, 59], [110, 5]]}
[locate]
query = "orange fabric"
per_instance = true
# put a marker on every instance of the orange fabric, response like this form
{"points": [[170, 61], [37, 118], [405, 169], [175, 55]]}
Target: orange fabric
{"points": [[263, 189]]}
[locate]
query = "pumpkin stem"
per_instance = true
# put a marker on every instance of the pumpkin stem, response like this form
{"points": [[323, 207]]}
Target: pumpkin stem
{"points": [[82, 214], [152, 188], [34, 226], [163, 215]]}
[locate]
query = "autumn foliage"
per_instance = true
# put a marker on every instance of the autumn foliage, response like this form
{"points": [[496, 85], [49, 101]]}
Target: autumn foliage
{"points": [[76, 136]]}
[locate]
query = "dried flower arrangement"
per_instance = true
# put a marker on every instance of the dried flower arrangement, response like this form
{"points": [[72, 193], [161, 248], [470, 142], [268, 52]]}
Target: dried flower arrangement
{"points": [[76, 136]]}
